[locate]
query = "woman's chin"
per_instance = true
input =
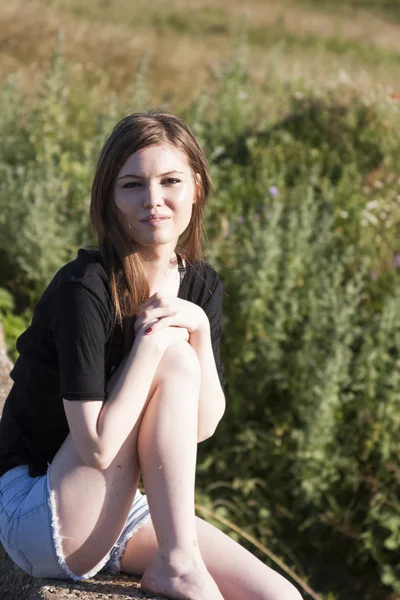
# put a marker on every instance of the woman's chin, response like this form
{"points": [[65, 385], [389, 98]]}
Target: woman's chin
{"points": [[155, 240]]}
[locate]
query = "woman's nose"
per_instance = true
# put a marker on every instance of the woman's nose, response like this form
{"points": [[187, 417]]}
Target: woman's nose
{"points": [[153, 195]]}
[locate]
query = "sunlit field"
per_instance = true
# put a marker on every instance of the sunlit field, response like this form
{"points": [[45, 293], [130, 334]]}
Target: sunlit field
{"points": [[184, 42]]}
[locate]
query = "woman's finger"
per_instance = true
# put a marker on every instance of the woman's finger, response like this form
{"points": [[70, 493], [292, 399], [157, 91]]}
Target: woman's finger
{"points": [[146, 325], [162, 311], [165, 322], [150, 314], [154, 300]]}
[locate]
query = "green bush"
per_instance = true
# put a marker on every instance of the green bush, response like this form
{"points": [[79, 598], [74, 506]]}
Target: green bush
{"points": [[13, 324], [303, 228]]}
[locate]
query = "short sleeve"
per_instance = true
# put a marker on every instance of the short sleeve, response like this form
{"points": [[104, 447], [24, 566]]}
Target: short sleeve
{"points": [[212, 306], [79, 327]]}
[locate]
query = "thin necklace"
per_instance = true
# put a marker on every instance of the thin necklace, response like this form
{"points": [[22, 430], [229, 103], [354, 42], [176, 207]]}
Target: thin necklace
{"points": [[171, 267]]}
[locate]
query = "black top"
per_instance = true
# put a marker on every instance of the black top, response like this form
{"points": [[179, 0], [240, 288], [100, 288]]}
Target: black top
{"points": [[71, 349]]}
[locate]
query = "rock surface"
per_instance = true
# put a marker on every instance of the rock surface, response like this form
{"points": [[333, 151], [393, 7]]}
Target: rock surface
{"points": [[15, 584]]}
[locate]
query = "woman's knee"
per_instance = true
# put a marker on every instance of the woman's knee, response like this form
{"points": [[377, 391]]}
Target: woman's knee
{"points": [[288, 593], [180, 358]]}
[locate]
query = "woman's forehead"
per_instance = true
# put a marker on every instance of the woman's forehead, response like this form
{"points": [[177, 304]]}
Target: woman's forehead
{"points": [[156, 159]]}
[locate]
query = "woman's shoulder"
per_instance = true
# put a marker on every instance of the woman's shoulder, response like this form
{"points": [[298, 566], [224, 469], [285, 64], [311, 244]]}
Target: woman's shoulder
{"points": [[202, 280], [86, 264], [86, 270], [201, 268]]}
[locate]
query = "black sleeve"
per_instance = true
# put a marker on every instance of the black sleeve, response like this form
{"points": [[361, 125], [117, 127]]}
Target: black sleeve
{"points": [[80, 326], [212, 306]]}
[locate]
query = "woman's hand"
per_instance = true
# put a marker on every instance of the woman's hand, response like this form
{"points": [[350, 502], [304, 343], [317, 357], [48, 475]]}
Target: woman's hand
{"points": [[162, 339], [161, 311]]}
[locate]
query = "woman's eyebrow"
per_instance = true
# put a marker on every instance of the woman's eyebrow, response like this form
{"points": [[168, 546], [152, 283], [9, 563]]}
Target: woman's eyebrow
{"points": [[140, 177]]}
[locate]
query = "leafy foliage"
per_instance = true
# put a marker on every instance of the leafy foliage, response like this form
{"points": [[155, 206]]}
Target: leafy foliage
{"points": [[14, 324], [303, 229]]}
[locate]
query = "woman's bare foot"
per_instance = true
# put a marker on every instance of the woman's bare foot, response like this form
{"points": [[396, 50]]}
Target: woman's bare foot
{"points": [[180, 578]]}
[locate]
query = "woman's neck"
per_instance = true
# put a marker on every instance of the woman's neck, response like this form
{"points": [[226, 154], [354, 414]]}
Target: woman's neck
{"points": [[163, 274]]}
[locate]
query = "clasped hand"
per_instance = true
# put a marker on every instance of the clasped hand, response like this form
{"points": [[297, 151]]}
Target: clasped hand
{"points": [[161, 311]]}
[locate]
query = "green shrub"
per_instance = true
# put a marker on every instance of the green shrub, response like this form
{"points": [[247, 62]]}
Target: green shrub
{"points": [[13, 324], [303, 229]]}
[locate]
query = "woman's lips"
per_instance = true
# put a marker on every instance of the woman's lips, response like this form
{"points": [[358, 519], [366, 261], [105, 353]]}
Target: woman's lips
{"points": [[156, 222]]}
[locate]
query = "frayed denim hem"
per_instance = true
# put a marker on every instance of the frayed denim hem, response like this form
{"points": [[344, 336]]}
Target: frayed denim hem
{"points": [[57, 541], [114, 566]]}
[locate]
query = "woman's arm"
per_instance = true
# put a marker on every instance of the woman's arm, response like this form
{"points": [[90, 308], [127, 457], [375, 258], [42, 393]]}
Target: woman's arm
{"points": [[99, 428]]}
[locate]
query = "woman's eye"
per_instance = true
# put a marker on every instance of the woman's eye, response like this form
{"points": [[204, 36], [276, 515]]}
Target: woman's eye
{"points": [[171, 180], [134, 184], [131, 184]]}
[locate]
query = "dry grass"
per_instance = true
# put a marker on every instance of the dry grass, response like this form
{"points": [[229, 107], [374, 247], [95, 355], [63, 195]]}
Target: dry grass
{"points": [[188, 40]]}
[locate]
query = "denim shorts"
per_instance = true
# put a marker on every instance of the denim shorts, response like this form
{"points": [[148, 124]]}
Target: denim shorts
{"points": [[29, 529]]}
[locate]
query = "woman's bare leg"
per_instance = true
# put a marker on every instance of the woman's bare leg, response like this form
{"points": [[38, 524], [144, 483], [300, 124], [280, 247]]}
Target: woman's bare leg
{"points": [[238, 573], [167, 449], [93, 505]]}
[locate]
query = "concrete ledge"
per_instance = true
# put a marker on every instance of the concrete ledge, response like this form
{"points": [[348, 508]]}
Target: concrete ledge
{"points": [[15, 584]]}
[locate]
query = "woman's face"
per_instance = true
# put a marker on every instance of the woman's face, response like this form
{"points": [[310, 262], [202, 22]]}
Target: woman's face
{"points": [[156, 180]]}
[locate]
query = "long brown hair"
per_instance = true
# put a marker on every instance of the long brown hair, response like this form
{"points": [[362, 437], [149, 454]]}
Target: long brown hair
{"points": [[123, 263]]}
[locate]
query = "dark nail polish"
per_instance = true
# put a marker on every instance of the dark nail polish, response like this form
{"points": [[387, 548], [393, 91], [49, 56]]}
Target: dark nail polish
{"points": [[149, 330]]}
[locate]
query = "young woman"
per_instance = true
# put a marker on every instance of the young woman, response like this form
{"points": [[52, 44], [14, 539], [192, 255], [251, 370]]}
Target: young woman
{"points": [[119, 375]]}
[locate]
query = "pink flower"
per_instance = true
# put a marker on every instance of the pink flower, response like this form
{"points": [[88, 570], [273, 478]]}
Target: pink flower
{"points": [[273, 190], [396, 260]]}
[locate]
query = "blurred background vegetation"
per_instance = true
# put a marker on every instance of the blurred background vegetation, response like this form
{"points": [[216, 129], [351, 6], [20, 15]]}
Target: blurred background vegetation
{"points": [[297, 105]]}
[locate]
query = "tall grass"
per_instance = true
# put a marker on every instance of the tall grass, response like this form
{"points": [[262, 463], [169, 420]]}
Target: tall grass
{"points": [[188, 39]]}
